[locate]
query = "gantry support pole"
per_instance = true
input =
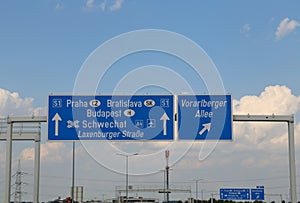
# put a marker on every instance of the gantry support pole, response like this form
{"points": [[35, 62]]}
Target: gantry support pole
{"points": [[289, 119]]}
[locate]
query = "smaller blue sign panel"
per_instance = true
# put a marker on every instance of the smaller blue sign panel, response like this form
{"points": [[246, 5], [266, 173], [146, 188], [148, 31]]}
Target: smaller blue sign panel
{"points": [[234, 194], [258, 194], [204, 117]]}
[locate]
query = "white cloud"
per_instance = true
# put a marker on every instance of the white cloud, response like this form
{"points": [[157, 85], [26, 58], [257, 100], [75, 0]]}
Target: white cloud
{"points": [[11, 104], [245, 29], [266, 137], [285, 27], [55, 152], [102, 6], [59, 6], [274, 99], [117, 5], [89, 3]]}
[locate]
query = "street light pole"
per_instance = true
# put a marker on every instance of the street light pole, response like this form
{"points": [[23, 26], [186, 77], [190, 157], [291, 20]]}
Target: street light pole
{"points": [[73, 173], [127, 155], [164, 191], [196, 189], [197, 180], [126, 179]]}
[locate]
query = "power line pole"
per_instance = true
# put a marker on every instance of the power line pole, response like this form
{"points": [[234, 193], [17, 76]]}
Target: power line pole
{"points": [[18, 184]]}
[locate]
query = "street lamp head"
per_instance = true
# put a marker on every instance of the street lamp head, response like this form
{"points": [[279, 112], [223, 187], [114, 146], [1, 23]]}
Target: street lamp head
{"points": [[125, 154], [198, 179]]}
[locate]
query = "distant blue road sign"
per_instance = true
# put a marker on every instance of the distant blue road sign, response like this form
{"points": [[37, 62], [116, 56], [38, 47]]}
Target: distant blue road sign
{"points": [[258, 194], [137, 117], [234, 194], [205, 117]]}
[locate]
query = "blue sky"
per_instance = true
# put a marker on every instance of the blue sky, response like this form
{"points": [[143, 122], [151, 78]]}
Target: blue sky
{"points": [[255, 46], [49, 40]]}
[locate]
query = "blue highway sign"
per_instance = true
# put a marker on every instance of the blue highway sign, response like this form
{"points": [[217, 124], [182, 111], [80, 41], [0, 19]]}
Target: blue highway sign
{"points": [[204, 117], [234, 194], [137, 117], [258, 194]]}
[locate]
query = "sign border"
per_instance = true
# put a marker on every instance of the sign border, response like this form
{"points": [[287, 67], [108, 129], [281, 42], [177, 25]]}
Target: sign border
{"points": [[206, 140], [107, 140]]}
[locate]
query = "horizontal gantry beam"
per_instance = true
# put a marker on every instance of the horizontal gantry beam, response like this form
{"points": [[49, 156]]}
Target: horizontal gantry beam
{"points": [[264, 118]]}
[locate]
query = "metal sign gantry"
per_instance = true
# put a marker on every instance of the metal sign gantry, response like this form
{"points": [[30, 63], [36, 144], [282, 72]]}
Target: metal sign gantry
{"points": [[289, 119], [22, 133]]}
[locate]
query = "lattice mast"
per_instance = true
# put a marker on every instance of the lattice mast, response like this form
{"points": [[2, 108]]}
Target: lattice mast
{"points": [[18, 184]]}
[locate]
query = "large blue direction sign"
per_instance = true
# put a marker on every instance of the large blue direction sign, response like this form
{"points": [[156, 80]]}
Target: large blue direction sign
{"points": [[137, 117], [234, 194], [204, 117]]}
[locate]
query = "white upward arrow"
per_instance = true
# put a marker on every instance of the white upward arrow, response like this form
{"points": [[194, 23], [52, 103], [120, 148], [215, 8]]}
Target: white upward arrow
{"points": [[164, 118], [56, 118], [206, 126]]}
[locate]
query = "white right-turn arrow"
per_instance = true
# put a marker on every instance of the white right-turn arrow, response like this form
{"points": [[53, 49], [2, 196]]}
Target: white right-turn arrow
{"points": [[56, 118], [206, 126]]}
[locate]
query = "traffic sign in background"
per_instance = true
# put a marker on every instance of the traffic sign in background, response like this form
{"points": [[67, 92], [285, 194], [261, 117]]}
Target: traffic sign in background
{"points": [[258, 193], [235, 194], [242, 193], [204, 117], [137, 117]]}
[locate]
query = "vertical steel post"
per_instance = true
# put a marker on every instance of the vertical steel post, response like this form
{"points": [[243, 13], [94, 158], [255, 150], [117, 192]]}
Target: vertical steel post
{"points": [[127, 179], [292, 165], [37, 168], [167, 174], [196, 189], [164, 185], [73, 173], [8, 161]]}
